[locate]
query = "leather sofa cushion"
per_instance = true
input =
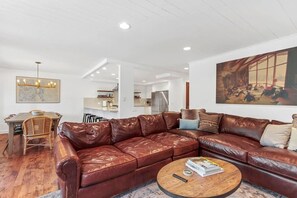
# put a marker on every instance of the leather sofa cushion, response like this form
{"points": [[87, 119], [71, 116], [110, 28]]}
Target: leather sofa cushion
{"points": [[145, 151], [103, 163], [195, 134], [171, 119], [243, 126], [180, 144], [126, 128], [191, 114], [232, 146], [152, 124], [279, 161], [86, 135]]}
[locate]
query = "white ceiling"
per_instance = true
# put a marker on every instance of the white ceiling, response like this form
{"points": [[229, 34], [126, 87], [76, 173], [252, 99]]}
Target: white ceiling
{"points": [[72, 36]]}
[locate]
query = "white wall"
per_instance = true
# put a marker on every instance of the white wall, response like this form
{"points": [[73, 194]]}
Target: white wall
{"points": [[177, 94], [126, 91], [203, 83], [73, 90]]}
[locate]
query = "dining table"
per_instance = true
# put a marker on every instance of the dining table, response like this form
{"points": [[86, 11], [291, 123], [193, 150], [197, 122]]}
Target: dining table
{"points": [[20, 118]]}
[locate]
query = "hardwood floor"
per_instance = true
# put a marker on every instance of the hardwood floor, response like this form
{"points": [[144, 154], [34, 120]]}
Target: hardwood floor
{"points": [[27, 176]]}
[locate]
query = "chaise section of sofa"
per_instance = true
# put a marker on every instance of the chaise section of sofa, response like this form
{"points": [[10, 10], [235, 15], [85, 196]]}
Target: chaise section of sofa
{"points": [[238, 142], [106, 158]]}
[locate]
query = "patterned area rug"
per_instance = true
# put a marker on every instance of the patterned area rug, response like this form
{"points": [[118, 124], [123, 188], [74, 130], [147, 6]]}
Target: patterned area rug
{"points": [[151, 190]]}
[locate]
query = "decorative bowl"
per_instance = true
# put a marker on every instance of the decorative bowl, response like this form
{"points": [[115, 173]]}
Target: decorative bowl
{"points": [[37, 112]]}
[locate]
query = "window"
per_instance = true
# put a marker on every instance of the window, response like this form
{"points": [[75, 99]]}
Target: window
{"points": [[269, 70]]}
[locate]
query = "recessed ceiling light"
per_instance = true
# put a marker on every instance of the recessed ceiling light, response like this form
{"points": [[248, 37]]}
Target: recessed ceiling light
{"points": [[188, 48], [98, 72], [113, 74], [104, 68], [117, 78], [125, 26], [92, 75], [144, 81], [186, 68]]}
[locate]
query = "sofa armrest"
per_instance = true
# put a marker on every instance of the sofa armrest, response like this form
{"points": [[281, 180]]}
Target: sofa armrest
{"points": [[67, 166]]}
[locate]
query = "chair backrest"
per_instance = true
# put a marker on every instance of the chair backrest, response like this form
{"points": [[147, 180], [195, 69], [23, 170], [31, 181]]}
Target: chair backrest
{"points": [[38, 125]]}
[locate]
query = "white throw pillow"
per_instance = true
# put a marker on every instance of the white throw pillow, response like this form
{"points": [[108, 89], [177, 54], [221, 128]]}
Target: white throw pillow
{"points": [[293, 139], [276, 135]]}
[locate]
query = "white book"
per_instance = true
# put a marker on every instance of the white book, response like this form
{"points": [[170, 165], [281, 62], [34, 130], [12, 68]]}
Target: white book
{"points": [[203, 174], [203, 164]]}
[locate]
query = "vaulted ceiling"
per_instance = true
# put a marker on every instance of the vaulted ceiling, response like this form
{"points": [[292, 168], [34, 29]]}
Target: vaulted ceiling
{"points": [[72, 36]]}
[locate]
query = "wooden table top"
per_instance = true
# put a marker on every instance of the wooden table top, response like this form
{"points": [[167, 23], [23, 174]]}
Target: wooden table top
{"points": [[218, 185], [23, 116]]}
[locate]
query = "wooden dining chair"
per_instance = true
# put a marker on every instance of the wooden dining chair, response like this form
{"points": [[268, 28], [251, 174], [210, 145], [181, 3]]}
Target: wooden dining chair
{"points": [[17, 130], [36, 128]]}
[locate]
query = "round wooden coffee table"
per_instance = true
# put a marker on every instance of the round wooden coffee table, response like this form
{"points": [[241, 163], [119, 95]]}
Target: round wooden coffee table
{"points": [[218, 185]]}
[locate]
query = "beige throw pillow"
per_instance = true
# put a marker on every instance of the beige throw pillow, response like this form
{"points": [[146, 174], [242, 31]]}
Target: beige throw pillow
{"points": [[276, 135], [293, 139]]}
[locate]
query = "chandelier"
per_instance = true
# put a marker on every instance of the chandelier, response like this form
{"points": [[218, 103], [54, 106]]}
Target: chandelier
{"points": [[37, 83]]}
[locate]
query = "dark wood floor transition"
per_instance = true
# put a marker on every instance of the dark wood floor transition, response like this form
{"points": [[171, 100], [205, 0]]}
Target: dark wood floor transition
{"points": [[27, 176]]}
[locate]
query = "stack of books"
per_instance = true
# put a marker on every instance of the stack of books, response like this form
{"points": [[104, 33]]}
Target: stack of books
{"points": [[203, 166]]}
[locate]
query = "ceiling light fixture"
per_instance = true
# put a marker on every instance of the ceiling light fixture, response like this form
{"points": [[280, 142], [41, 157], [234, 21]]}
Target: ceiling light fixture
{"points": [[37, 82], [188, 48], [143, 81], [98, 72], [125, 26], [113, 74], [92, 75], [104, 68], [186, 68]]}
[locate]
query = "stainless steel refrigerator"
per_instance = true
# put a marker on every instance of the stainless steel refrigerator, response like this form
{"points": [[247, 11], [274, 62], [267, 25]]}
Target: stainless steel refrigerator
{"points": [[160, 102]]}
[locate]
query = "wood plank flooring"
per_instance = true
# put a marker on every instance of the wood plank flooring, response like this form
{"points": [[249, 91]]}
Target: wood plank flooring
{"points": [[27, 176]]}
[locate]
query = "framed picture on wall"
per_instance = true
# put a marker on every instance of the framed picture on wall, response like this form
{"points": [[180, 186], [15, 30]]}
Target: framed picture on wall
{"points": [[268, 79], [33, 90]]}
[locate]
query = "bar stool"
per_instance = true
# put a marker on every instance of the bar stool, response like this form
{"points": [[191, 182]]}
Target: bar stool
{"points": [[98, 119], [85, 116], [91, 118]]}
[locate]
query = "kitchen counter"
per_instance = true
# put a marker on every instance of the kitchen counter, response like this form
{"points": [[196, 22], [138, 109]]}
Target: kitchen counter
{"points": [[103, 109]]}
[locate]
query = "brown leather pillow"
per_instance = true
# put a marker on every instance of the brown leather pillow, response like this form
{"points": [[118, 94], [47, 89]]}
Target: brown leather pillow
{"points": [[152, 124], [191, 114], [82, 135], [209, 123], [123, 129], [171, 119]]}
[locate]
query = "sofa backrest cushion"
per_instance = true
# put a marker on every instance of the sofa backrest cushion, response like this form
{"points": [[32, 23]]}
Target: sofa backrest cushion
{"points": [[278, 122], [123, 129], [249, 127], [172, 119], [191, 114], [86, 135], [152, 124]]}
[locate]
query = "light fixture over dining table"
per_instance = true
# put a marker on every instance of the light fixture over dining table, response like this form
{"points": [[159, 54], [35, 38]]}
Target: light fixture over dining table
{"points": [[38, 82]]}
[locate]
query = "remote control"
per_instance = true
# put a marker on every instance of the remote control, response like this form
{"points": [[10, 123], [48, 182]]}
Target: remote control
{"points": [[180, 178]]}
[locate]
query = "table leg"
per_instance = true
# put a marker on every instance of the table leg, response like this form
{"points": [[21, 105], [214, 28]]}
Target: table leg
{"points": [[55, 128], [10, 139]]}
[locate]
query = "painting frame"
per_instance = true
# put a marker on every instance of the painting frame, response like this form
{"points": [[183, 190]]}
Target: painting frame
{"points": [[27, 93], [263, 79]]}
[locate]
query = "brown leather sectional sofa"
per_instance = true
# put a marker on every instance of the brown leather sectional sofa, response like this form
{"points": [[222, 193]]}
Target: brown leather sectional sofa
{"points": [[106, 158]]}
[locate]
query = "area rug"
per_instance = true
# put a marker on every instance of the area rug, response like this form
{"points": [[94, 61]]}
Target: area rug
{"points": [[151, 190]]}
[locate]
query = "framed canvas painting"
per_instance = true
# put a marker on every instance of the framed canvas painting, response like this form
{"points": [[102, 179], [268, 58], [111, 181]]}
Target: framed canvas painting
{"points": [[33, 90], [268, 79]]}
